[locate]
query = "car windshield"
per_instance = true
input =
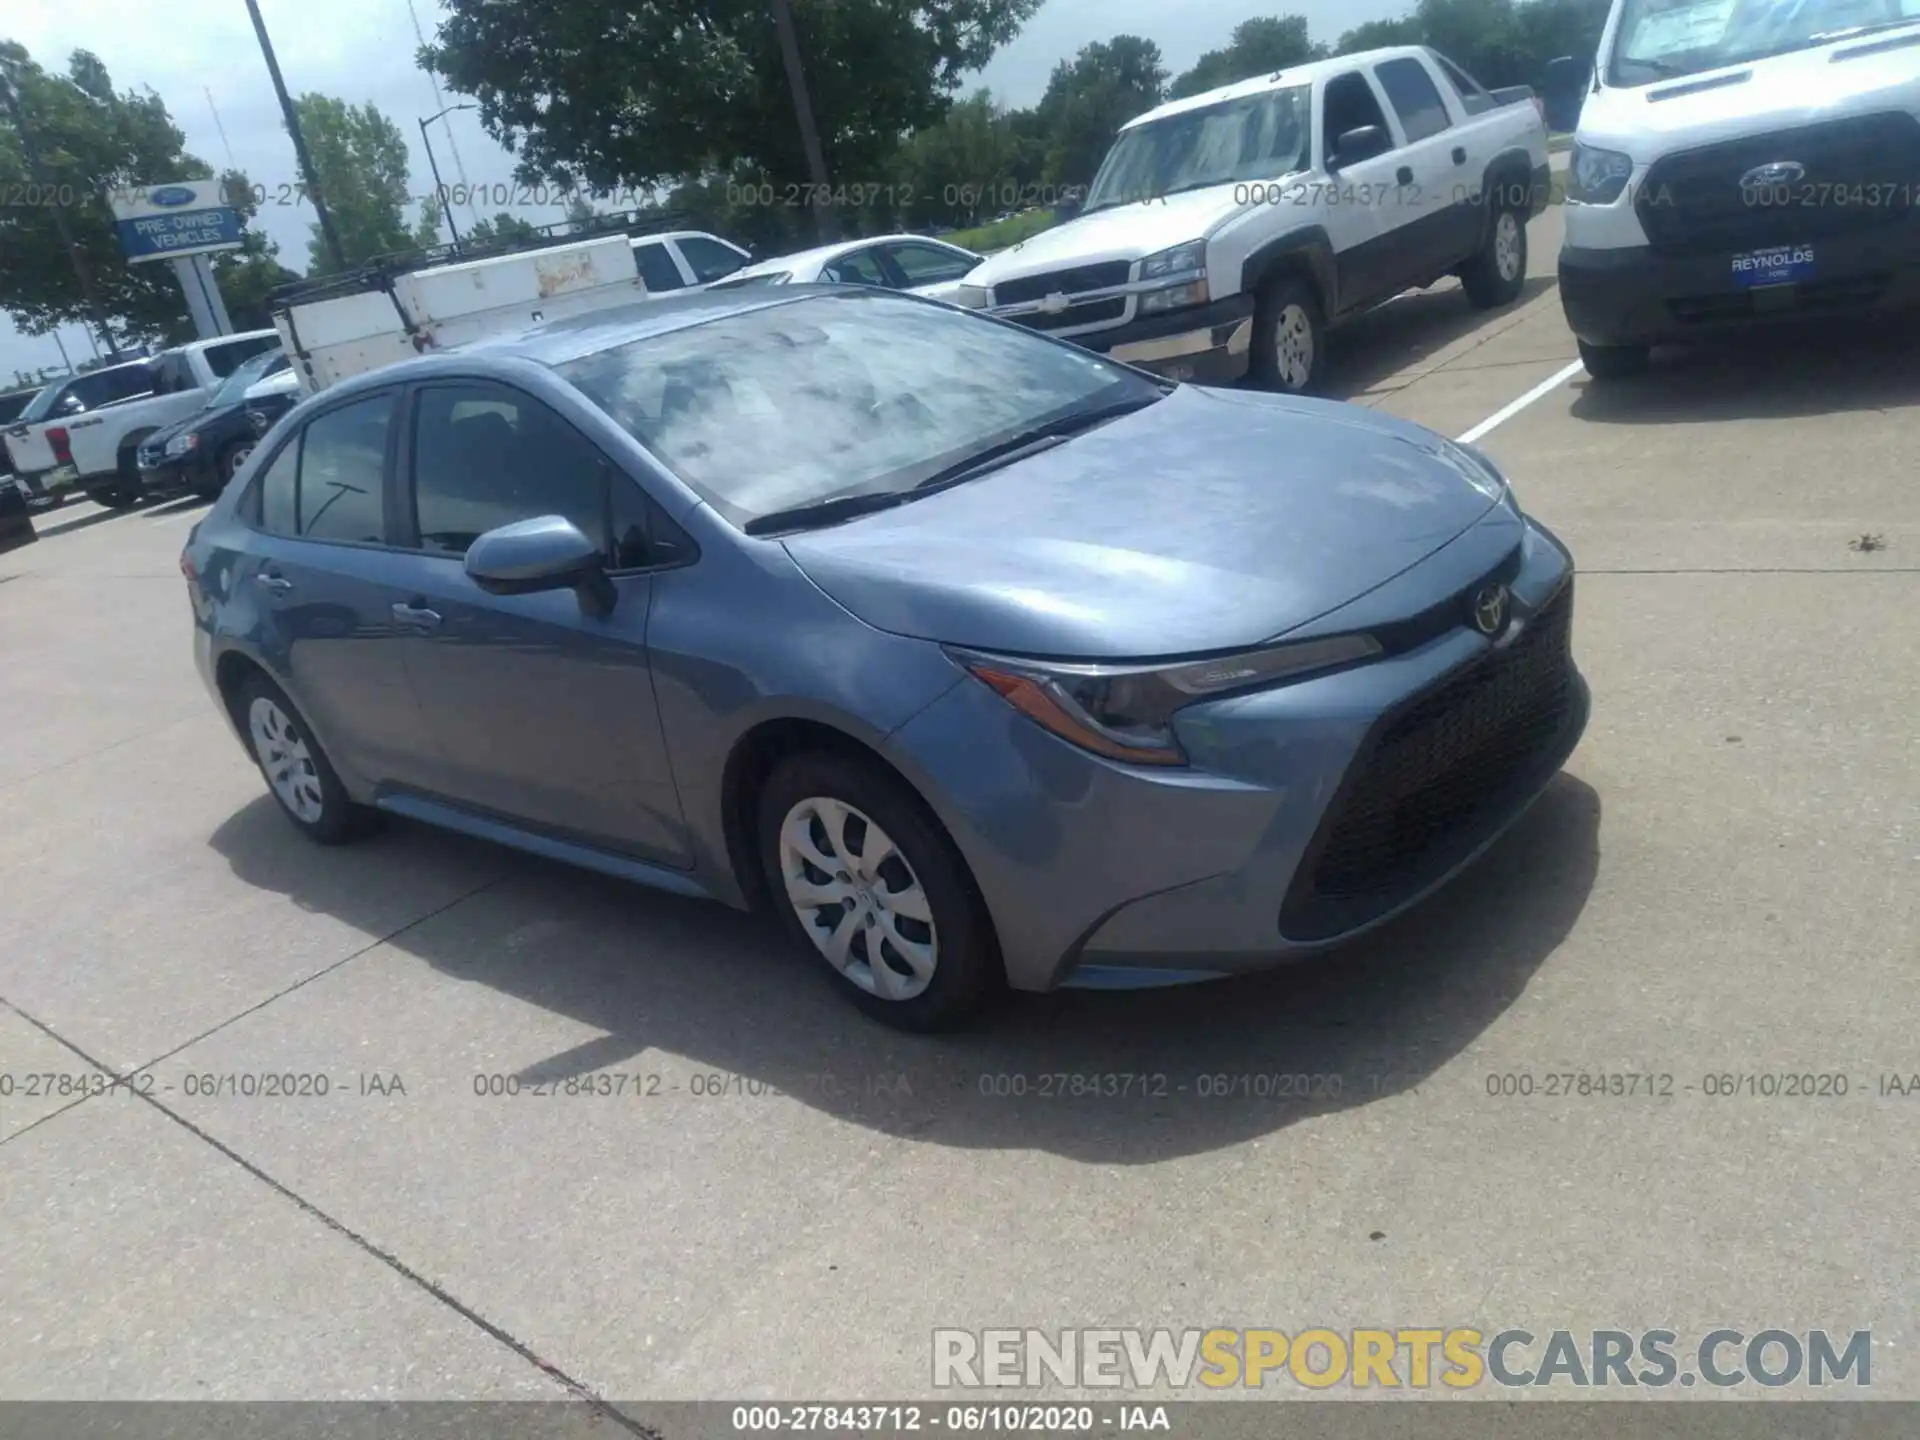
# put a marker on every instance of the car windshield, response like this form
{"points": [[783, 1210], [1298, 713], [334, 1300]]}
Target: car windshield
{"points": [[1258, 137], [1662, 39], [858, 393], [234, 388], [38, 407]]}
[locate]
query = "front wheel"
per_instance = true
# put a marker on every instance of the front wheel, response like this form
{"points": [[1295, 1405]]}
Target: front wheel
{"points": [[1498, 274], [114, 497], [1614, 362], [863, 876], [231, 459], [1290, 338]]}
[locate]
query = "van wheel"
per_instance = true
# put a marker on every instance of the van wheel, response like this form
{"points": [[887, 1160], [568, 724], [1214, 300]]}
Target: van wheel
{"points": [[1290, 338], [1498, 274], [1614, 362], [864, 878]]}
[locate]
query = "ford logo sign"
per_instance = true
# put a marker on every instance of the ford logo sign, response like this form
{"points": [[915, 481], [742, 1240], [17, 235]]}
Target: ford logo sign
{"points": [[1780, 172], [170, 196]]}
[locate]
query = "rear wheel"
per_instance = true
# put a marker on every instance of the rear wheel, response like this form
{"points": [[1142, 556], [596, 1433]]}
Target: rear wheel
{"points": [[298, 774], [1614, 362], [1290, 338], [228, 465], [1498, 274], [115, 496], [863, 876]]}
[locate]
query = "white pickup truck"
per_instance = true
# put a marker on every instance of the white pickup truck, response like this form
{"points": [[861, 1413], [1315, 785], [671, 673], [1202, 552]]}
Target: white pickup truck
{"points": [[1225, 233], [95, 421], [1737, 163]]}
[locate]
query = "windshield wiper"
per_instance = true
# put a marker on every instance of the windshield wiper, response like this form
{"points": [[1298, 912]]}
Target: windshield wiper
{"points": [[996, 456]]}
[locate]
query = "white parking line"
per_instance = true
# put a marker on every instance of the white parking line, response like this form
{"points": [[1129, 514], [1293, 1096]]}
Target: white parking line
{"points": [[1500, 417]]}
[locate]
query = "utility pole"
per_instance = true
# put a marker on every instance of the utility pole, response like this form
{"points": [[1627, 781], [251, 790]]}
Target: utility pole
{"points": [[440, 190], [81, 271], [824, 218], [292, 118]]}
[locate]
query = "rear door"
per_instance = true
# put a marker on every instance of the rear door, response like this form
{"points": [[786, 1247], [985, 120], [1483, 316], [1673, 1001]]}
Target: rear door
{"points": [[319, 575], [1439, 222], [659, 267], [542, 712]]}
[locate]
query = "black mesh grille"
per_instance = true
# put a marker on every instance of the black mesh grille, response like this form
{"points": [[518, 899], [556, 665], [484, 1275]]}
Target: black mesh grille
{"points": [[1062, 282], [1850, 293], [1074, 315], [1861, 173], [1434, 778]]}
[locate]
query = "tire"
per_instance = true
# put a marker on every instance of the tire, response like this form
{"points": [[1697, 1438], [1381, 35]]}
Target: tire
{"points": [[1614, 362], [822, 807], [114, 497], [315, 801], [1498, 274], [1290, 338], [229, 461]]}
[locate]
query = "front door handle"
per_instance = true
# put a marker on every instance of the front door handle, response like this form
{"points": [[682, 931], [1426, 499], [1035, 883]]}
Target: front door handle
{"points": [[1406, 175], [275, 584], [1459, 154], [416, 617]]}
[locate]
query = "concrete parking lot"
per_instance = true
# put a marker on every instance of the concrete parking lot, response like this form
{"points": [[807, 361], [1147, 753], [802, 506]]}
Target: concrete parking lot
{"points": [[785, 1200]]}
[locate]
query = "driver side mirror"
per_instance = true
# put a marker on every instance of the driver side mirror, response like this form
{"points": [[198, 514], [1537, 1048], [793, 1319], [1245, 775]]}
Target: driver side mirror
{"points": [[546, 553], [70, 405], [1566, 84], [1358, 145]]}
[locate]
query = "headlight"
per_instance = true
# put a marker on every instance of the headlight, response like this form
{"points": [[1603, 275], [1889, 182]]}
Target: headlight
{"points": [[1126, 712], [1597, 177], [972, 297], [1180, 260], [181, 444], [1174, 297]]}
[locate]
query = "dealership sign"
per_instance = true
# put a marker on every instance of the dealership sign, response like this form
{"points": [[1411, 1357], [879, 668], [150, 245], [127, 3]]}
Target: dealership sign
{"points": [[160, 222]]}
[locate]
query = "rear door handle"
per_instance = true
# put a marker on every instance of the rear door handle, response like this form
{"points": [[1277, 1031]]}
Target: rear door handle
{"points": [[416, 617], [1459, 154], [1406, 175]]}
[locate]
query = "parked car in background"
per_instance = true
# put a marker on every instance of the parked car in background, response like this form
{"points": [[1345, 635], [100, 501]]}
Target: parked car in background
{"points": [[1226, 233], [11, 404], [976, 658], [271, 398], [685, 260], [95, 422], [16, 524], [201, 452], [888, 262]]}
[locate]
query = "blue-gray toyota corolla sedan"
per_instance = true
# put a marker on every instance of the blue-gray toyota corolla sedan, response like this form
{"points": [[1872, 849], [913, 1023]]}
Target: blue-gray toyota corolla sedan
{"points": [[979, 659]]}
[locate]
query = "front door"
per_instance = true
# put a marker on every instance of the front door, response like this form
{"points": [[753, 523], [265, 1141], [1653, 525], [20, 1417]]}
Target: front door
{"points": [[1363, 199], [542, 711]]}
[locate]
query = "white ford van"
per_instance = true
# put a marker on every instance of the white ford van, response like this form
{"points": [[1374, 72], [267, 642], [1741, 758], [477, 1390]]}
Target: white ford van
{"points": [[1737, 161]]}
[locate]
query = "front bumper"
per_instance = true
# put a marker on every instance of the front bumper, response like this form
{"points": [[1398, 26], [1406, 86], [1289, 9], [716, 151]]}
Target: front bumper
{"points": [[44, 486], [1209, 344], [1095, 872], [1634, 296]]}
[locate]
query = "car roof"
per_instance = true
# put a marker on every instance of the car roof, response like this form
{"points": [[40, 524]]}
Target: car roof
{"points": [[683, 235], [224, 340], [826, 254], [1307, 74]]}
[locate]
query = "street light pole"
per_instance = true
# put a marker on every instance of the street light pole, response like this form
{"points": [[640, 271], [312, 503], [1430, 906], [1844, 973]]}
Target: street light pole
{"points": [[439, 188], [81, 270], [824, 218], [292, 117]]}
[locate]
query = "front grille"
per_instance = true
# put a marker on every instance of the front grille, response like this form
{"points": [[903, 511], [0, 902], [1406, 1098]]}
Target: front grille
{"points": [[1861, 173], [1076, 281], [1815, 296], [1434, 779], [1098, 312]]}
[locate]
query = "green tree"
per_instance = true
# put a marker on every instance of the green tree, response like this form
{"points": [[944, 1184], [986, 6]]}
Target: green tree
{"points": [[1090, 97], [428, 230], [91, 139], [247, 277], [970, 166], [360, 163], [1260, 46], [678, 92], [502, 229]]}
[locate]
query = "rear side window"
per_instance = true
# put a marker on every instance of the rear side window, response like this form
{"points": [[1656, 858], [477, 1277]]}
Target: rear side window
{"points": [[709, 258], [328, 483], [229, 355], [109, 387], [931, 264], [1474, 98], [657, 268], [1423, 113], [861, 267]]}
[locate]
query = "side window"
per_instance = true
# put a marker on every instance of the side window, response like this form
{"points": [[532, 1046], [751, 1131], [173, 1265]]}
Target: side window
{"points": [[930, 264], [858, 268], [274, 505], [225, 358], [172, 376], [709, 258], [1423, 113], [657, 268], [1349, 104], [485, 456], [338, 494], [1474, 98]]}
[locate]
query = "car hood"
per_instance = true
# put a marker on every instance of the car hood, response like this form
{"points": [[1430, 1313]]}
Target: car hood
{"points": [[1210, 521], [1126, 232]]}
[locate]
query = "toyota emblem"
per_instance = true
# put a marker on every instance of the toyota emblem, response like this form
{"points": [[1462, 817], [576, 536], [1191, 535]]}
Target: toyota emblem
{"points": [[1490, 610]]}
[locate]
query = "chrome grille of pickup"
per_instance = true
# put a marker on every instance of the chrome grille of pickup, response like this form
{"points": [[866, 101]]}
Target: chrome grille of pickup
{"points": [[1078, 280]]}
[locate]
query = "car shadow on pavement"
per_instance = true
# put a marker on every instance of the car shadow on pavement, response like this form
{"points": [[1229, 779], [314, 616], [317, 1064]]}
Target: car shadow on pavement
{"points": [[75, 520], [1823, 367], [1383, 344], [1159, 1074]]}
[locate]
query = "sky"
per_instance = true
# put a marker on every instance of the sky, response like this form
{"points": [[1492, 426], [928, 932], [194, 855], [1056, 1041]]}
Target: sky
{"points": [[202, 59]]}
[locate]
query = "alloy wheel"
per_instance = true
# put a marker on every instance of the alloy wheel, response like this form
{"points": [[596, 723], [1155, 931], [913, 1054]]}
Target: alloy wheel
{"points": [[858, 899], [286, 760]]}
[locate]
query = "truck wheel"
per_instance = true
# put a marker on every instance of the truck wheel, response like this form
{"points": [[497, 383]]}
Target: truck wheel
{"points": [[1289, 338], [1614, 362], [1496, 275], [114, 497]]}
